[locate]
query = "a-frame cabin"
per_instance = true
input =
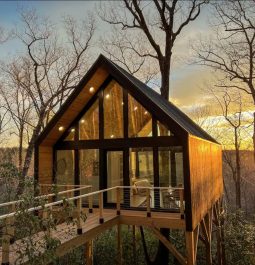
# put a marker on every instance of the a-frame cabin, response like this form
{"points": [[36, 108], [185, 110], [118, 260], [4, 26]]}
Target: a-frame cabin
{"points": [[114, 130]]}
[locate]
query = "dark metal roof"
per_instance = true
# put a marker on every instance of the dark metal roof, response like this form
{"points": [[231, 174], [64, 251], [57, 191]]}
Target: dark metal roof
{"points": [[169, 109]]}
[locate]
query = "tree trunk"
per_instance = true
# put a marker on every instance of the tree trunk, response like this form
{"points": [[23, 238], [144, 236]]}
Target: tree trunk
{"points": [[238, 172], [165, 77], [253, 137], [20, 148], [28, 157]]}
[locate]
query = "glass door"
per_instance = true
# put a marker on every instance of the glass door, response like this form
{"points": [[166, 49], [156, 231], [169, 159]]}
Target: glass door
{"points": [[114, 164]]}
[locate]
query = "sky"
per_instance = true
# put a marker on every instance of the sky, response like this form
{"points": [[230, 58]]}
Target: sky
{"points": [[186, 80]]}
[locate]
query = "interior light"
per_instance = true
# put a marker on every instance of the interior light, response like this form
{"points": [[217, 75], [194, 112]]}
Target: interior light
{"points": [[91, 89], [112, 136], [122, 103], [135, 108], [61, 128], [107, 96], [146, 112], [72, 130], [82, 121]]}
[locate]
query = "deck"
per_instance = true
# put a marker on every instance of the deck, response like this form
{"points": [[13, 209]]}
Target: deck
{"points": [[100, 220]]}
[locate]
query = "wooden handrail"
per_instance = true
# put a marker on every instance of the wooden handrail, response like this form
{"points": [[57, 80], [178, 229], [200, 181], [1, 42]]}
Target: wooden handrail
{"points": [[45, 196], [47, 210], [87, 195]]}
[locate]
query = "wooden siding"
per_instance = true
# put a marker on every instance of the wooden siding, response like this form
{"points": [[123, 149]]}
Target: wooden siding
{"points": [[45, 168], [77, 105], [206, 183]]}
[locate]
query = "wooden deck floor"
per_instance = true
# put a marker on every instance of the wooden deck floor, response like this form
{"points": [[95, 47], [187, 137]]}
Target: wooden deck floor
{"points": [[67, 234]]}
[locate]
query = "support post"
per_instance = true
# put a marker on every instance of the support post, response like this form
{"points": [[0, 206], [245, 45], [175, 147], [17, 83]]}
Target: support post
{"points": [[134, 244], [89, 252], [90, 201], [191, 246], [118, 200], [148, 199], [119, 239], [101, 219], [79, 212], [181, 203]]}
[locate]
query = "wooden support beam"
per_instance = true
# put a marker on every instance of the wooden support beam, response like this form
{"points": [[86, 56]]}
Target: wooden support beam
{"points": [[134, 243], [90, 202], [119, 240], [206, 229], [79, 212], [191, 245], [216, 220], [182, 260], [101, 205], [89, 252]]}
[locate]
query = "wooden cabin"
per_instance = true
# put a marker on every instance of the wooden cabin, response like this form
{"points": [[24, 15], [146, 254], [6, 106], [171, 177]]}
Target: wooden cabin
{"points": [[113, 130]]}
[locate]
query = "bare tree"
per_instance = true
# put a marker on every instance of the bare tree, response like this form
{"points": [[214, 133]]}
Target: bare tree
{"points": [[19, 106], [4, 121], [232, 108], [232, 51], [120, 46], [4, 35], [159, 23], [50, 68]]}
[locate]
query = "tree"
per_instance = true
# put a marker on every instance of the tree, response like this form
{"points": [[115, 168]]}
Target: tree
{"points": [[232, 106], [50, 68], [18, 104], [159, 23], [232, 52]]}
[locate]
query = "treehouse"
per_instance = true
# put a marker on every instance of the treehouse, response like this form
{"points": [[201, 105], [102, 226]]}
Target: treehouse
{"points": [[114, 131]]}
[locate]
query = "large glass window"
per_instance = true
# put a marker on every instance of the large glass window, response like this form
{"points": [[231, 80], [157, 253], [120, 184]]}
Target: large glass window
{"points": [[141, 175], [163, 130], [114, 173], [170, 166], [89, 123], [139, 119], [89, 169], [113, 111], [65, 167]]}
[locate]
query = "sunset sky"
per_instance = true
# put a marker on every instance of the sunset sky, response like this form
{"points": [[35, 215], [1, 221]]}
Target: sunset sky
{"points": [[187, 80]]}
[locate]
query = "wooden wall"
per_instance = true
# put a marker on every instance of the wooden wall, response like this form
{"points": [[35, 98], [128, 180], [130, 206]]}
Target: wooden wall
{"points": [[45, 165], [206, 182]]}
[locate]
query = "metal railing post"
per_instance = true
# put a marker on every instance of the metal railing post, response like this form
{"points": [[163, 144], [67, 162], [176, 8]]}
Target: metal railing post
{"points": [[148, 199], [118, 200]]}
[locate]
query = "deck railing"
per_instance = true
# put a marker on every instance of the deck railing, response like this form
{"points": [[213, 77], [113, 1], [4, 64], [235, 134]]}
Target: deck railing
{"points": [[148, 199]]}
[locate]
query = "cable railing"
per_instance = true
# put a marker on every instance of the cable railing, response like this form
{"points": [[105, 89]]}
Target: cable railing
{"points": [[119, 198]]}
